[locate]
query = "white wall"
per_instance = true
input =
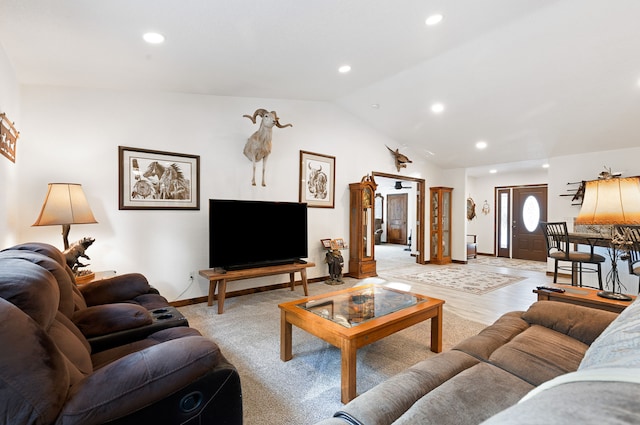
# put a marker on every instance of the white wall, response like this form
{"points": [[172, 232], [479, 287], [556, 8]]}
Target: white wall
{"points": [[10, 105], [72, 135]]}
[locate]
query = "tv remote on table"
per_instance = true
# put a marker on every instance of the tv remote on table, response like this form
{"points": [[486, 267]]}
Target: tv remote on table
{"points": [[550, 288]]}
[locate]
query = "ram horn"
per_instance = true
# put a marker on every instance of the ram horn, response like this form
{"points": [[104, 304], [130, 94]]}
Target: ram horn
{"points": [[277, 121], [260, 112]]}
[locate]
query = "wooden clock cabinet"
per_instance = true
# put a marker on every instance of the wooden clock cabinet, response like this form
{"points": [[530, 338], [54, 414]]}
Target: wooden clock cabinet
{"points": [[440, 211], [362, 262]]}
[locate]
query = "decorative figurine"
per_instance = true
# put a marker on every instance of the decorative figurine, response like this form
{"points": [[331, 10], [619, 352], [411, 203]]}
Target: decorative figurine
{"points": [[258, 146], [335, 261], [76, 251], [401, 160]]}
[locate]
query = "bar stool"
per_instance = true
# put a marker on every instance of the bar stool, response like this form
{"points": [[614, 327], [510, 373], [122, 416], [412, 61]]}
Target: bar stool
{"points": [[558, 247]]}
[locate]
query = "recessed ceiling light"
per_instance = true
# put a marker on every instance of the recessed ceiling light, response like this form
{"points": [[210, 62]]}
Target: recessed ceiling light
{"points": [[545, 165], [437, 108], [481, 144], [375, 106], [493, 171], [434, 19], [344, 68], [153, 38]]}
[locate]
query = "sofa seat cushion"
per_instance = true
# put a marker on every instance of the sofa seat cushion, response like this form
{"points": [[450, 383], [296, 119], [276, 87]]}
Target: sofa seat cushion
{"points": [[388, 400], [468, 398], [539, 354]]}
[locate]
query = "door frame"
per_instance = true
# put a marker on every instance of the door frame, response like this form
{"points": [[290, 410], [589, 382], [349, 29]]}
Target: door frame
{"points": [[421, 225]]}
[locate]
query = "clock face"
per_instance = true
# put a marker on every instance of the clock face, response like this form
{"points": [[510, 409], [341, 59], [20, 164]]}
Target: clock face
{"points": [[366, 198]]}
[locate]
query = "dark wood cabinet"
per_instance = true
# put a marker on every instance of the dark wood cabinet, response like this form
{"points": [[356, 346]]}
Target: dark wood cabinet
{"points": [[362, 261]]}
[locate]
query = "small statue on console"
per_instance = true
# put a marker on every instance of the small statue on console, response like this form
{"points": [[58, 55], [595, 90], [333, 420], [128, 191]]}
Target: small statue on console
{"points": [[335, 261], [76, 251]]}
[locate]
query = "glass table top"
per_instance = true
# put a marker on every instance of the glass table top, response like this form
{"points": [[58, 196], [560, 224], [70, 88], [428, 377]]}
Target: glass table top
{"points": [[358, 306]]}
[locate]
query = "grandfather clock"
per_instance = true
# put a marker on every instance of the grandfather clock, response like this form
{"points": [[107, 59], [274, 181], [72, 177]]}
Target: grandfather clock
{"points": [[361, 233]]}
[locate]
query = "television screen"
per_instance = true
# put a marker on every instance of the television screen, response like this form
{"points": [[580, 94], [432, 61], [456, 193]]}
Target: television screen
{"points": [[244, 234]]}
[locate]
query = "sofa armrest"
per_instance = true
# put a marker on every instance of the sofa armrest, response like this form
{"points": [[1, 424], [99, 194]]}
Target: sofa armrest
{"points": [[143, 379], [107, 319], [115, 289], [582, 323]]}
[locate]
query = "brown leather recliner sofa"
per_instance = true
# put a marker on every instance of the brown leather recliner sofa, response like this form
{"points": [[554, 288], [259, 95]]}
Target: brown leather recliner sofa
{"points": [[49, 374]]}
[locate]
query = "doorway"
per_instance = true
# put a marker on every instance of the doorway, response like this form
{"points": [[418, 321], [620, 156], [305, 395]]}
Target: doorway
{"points": [[414, 190], [520, 211]]}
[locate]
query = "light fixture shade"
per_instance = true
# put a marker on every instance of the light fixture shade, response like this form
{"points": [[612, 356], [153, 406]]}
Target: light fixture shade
{"points": [[611, 201], [65, 203]]}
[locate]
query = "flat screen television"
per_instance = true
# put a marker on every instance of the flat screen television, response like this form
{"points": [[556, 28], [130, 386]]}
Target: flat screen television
{"points": [[246, 234]]}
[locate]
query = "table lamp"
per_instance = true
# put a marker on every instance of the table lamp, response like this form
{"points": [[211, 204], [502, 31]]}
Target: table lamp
{"points": [[65, 204], [609, 201]]}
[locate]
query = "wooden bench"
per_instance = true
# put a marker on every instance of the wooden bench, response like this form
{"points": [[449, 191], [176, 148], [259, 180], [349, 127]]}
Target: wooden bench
{"points": [[216, 276]]}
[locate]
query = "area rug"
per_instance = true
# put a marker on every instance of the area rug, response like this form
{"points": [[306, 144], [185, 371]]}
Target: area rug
{"points": [[512, 263], [458, 277], [306, 389]]}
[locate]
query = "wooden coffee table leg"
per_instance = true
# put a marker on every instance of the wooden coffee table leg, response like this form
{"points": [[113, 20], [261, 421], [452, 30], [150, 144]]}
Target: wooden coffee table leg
{"points": [[348, 373], [285, 338], [436, 331], [292, 279]]}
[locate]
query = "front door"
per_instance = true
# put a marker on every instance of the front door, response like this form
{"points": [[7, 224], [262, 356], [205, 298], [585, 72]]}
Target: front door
{"points": [[529, 209], [397, 218]]}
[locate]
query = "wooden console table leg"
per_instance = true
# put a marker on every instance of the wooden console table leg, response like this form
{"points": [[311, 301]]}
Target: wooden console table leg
{"points": [[303, 276], [436, 331], [292, 279], [286, 353], [212, 290], [222, 290]]}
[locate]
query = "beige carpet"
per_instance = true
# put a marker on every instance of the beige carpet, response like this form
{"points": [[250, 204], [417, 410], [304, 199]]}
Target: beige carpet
{"points": [[305, 389]]}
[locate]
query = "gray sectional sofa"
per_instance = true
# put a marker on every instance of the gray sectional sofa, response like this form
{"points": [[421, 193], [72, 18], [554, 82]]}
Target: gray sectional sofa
{"points": [[556, 363]]}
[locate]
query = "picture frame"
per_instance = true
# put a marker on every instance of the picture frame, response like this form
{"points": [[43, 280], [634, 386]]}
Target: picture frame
{"points": [[8, 138], [317, 179], [326, 243], [157, 180], [337, 243]]}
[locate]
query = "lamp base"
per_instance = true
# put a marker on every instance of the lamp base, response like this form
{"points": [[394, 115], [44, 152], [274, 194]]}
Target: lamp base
{"points": [[614, 296]]}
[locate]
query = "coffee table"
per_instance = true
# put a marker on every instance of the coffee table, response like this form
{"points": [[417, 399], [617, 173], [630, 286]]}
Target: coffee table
{"points": [[355, 317]]}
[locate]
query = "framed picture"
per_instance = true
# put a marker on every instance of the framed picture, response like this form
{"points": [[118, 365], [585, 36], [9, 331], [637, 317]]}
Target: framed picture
{"points": [[337, 243], [155, 180], [317, 179], [326, 243]]}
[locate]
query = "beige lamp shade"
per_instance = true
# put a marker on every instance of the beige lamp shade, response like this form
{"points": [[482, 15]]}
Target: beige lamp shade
{"points": [[611, 201], [65, 203]]}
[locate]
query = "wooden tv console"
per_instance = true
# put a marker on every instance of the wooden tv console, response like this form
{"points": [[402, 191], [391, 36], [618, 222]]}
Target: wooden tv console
{"points": [[216, 276]]}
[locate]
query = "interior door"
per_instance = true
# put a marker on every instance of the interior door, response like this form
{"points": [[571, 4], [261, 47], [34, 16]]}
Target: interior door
{"points": [[397, 218], [530, 208]]}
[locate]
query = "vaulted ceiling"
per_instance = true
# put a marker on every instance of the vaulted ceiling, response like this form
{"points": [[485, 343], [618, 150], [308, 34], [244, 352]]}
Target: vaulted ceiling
{"points": [[534, 79]]}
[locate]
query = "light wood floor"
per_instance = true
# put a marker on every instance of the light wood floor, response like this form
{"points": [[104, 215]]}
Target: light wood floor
{"points": [[480, 308]]}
